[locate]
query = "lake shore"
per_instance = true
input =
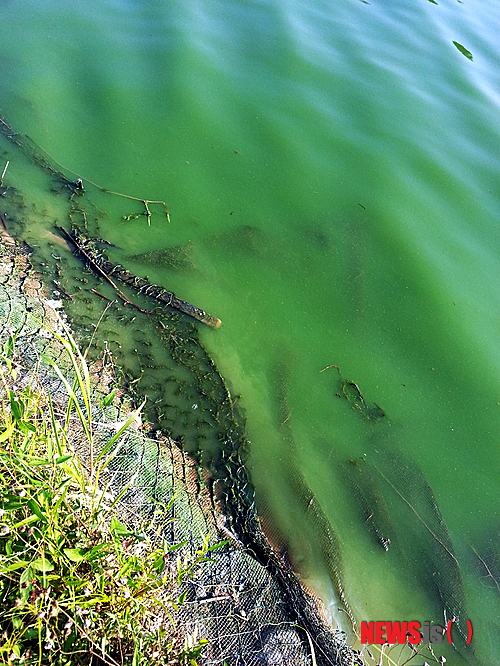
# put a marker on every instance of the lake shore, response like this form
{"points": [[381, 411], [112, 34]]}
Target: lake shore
{"points": [[31, 316]]}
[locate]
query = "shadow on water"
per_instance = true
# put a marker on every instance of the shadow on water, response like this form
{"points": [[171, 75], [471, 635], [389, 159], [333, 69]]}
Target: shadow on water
{"points": [[176, 258], [304, 504], [423, 537], [393, 504], [399, 509]]}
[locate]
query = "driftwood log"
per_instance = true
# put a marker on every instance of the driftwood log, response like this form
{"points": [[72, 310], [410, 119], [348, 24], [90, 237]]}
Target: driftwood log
{"points": [[110, 270]]}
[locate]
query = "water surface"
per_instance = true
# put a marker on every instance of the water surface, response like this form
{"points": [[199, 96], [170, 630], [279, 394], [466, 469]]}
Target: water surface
{"points": [[331, 172]]}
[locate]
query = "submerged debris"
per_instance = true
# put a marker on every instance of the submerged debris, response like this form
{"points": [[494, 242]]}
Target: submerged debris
{"points": [[106, 268], [177, 257]]}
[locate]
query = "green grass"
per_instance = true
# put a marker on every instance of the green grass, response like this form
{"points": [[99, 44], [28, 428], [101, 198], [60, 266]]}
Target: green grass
{"points": [[76, 585]]}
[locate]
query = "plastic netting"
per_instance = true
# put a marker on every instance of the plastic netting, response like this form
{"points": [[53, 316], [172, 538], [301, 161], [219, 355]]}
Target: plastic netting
{"points": [[246, 601]]}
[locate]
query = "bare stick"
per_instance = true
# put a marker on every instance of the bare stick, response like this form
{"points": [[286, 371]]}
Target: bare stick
{"points": [[62, 290], [145, 202], [330, 366], [3, 174], [490, 575], [102, 296]]}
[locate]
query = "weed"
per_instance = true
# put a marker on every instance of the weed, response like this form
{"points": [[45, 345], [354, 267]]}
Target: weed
{"points": [[76, 585]]}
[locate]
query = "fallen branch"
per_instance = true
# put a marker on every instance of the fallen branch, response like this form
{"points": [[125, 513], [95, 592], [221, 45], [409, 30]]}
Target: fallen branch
{"points": [[62, 290], [92, 262], [106, 269]]}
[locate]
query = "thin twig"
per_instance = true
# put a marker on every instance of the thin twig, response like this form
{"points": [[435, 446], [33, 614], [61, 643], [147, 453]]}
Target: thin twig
{"points": [[145, 202], [330, 366], [83, 633], [313, 654], [416, 654], [490, 575], [62, 290], [97, 293], [98, 323], [3, 174]]}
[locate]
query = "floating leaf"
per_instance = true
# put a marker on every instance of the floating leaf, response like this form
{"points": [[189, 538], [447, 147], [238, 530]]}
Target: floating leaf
{"points": [[463, 50]]}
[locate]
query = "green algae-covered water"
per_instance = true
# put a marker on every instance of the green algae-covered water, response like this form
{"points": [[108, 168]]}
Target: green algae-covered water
{"points": [[331, 169]]}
